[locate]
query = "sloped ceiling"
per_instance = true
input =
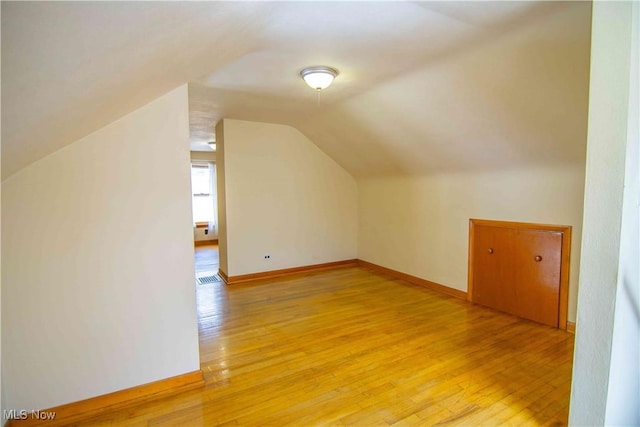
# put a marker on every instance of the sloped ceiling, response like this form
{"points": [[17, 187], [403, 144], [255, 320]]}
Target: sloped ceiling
{"points": [[423, 87]]}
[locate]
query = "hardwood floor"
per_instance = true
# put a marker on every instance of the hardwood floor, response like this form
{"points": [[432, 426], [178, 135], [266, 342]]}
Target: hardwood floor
{"points": [[206, 259], [351, 347]]}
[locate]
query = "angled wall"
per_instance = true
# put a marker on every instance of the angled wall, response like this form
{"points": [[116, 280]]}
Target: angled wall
{"points": [[97, 266], [423, 222], [496, 130], [283, 197]]}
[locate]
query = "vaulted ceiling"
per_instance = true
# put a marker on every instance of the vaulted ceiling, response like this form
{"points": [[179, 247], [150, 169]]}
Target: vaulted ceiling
{"points": [[424, 87]]}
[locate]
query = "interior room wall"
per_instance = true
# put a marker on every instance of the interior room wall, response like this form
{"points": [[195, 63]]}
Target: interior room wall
{"points": [[284, 198], [207, 156], [1, 381], [605, 384], [624, 378], [199, 235], [222, 199], [97, 266], [420, 225]]}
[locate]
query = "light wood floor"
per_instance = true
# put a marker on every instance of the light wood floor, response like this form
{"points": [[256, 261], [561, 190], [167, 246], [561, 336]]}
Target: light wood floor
{"points": [[206, 259], [350, 347]]}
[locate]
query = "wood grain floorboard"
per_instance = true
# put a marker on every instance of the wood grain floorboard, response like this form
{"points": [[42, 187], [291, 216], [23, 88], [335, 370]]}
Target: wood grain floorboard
{"points": [[351, 347]]}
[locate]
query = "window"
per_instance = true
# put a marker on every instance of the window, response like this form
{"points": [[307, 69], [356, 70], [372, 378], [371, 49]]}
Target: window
{"points": [[203, 189]]}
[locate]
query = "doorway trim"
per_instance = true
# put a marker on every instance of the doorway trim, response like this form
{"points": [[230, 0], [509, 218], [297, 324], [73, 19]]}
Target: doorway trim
{"points": [[565, 259]]}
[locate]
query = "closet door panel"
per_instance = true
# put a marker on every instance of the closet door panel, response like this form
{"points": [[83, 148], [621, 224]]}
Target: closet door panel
{"points": [[494, 276], [537, 262]]}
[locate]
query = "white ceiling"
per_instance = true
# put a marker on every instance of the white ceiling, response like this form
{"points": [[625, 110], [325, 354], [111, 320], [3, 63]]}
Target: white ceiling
{"points": [[423, 87]]}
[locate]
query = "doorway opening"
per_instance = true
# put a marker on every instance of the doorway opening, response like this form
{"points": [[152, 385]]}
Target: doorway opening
{"points": [[205, 221]]}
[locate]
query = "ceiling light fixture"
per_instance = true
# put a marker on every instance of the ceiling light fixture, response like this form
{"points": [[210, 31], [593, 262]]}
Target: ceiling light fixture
{"points": [[319, 77]]}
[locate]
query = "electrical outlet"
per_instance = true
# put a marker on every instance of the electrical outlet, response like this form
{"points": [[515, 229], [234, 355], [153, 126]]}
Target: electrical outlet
{"points": [[267, 257]]}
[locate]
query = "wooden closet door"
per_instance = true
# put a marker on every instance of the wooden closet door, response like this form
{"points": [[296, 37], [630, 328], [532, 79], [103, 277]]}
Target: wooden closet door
{"points": [[517, 268], [537, 262], [493, 267]]}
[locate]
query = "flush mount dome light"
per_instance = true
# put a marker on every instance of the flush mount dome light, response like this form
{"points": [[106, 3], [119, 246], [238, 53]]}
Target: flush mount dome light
{"points": [[319, 77]]}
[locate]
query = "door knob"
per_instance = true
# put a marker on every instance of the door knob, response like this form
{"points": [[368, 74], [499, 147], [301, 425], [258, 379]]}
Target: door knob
{"points": [[538, 258], [490, 250]]}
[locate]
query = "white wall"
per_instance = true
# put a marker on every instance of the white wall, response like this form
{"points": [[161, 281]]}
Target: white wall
{"points": [[200, 236], [97, 267], [207, 156], [623, 397], [608, 270], [222, 198], [284, 198], [1, 380], [420, 225]]}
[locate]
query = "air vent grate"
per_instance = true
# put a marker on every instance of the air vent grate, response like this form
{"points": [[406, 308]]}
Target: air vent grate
{"points": [[208, 279]]}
